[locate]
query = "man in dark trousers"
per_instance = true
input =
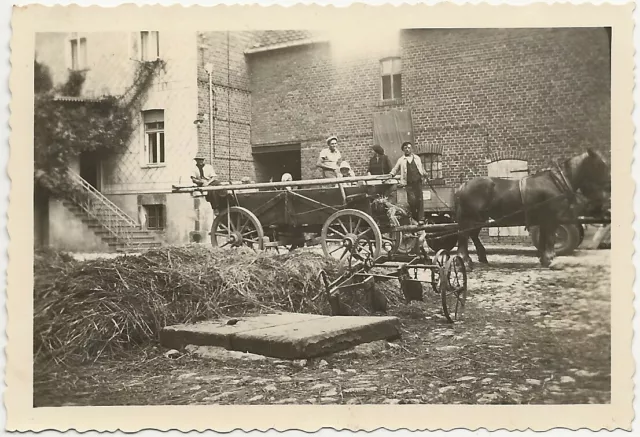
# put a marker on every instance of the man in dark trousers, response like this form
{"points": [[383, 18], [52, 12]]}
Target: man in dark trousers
{"points": [[412, 175]]}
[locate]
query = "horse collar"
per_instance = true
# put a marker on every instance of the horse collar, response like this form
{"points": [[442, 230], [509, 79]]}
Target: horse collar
{"points": [[566, 187]]}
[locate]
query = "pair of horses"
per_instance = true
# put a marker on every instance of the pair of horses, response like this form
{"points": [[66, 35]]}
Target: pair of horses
{"points": [[545, 199]]}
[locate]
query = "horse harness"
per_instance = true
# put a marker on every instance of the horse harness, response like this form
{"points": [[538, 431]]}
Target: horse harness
{"points": [[561, 183]]}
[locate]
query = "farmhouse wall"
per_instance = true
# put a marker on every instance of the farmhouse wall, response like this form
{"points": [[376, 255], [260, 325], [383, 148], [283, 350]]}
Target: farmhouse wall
{"points": [[482, 94]]}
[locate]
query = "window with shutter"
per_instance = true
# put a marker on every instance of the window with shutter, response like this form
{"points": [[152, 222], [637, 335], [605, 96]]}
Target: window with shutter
{"points": [[77, 53], [149, 45]]}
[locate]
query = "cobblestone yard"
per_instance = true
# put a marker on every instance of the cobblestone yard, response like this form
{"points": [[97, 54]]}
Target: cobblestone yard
{"points": [[529, 336]]}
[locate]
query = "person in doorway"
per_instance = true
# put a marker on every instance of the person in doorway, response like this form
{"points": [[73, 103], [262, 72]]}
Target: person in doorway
{"points": [[203, 175], [379, 163], [329, 157], [412, 175]]}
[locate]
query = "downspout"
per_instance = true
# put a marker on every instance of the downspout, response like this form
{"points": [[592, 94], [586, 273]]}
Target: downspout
{"points": [[208, 67]]}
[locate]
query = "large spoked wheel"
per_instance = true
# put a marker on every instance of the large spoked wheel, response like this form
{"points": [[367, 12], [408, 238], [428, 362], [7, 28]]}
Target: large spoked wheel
{"points": [[397, 242], [453, 288], [351, 235], [237, 227], [440, 259], [567, 238]]}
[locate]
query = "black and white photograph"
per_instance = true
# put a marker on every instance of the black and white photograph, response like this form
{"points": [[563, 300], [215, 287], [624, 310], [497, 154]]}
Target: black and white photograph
{"points": [[344, 215]]}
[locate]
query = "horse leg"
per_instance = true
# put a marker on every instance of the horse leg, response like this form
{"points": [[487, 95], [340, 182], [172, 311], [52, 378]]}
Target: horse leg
{"points": [[547, 243], [480, 249], [551, 242], [463, 247]]}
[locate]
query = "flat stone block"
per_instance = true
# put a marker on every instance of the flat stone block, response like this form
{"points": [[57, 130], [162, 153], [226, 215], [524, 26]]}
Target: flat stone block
{"points": [[284, 335], [219, 334]]}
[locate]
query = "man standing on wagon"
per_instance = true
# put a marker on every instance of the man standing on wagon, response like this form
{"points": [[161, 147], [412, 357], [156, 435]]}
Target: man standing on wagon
{"points": [[329, 157], [411, 176]]}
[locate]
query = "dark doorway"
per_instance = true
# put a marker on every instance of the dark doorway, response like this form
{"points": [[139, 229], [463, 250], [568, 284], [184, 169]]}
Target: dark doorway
{"points": [[90, 169], [272, 162]]}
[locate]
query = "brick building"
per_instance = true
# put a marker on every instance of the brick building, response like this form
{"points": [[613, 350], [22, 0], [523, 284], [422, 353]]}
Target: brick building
{"points": [[258, 104], [468, 97], [497, 102]]}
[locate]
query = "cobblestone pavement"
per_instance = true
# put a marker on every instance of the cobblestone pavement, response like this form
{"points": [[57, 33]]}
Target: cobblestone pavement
{"points": [[530, 335]]}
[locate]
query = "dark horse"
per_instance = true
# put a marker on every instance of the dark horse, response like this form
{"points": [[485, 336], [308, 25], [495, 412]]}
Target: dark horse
{"points": [[544, 199]]}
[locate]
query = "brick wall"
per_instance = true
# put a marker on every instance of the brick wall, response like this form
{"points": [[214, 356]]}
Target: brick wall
{"points": [[534, 94], [305, 94], [484, 94], [232, 103]]}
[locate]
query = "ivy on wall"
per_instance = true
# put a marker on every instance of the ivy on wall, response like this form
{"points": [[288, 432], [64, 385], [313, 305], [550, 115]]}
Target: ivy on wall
{"points": [[63, 130]]}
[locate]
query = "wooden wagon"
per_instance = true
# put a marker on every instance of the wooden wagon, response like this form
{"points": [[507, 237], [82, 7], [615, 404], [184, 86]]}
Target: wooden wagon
{"points": [[351, 220]]}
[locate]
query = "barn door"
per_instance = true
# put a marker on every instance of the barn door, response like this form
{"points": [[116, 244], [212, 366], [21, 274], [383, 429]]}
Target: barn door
{"points": [[508, 169], [391, 129]]}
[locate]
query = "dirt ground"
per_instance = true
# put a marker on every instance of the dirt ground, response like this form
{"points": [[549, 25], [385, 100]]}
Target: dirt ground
{"points": [[530, 336]]}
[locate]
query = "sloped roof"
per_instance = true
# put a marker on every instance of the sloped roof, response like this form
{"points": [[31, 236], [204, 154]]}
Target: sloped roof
{"points": [[79, 99], [277, 39]]}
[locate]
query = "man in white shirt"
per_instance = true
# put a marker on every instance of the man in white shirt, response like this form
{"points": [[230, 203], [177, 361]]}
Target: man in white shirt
{"points": [[329, 157], [203, 175], [412, 175]]}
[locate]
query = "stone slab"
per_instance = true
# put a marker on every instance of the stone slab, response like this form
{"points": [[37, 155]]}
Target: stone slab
{"points": [[218, 333], [284, 335]]}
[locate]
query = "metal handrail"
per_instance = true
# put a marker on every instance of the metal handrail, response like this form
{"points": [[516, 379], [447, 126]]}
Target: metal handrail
{"points": [[103, 200], [97, 206]]}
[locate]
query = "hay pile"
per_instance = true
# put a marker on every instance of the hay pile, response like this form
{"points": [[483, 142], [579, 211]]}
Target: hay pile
{"points": [[87, 309]]}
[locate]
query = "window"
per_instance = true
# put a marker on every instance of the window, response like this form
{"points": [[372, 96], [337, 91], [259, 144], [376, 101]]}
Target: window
{"points": [[391, 78], [432, 163], [149, 46], [154, 136], [78, 50], [155, 217]]}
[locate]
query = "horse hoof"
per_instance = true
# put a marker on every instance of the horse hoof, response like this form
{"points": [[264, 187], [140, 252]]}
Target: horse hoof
{"points": [[483, 260], [555, 266]]}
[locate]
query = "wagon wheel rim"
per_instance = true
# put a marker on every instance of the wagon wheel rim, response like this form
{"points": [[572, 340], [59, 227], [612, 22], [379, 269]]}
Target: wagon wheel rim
{"points": [[435, 279], [561, 237], [350, 235], [453, 288], [397, 241], [237, 227], [441, 257]]}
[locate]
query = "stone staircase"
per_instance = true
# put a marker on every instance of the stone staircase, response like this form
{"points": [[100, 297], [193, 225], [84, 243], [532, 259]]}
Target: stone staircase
{"points": [[112, 225]]}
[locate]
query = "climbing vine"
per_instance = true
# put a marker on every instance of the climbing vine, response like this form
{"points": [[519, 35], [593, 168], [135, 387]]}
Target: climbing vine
{"points": [[65, 129]]}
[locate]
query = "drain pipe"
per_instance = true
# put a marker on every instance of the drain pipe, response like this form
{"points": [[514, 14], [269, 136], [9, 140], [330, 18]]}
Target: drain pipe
{"points": [[208, 68]]}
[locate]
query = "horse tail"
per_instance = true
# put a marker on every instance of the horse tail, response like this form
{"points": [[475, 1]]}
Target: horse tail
{"points": [[457, 203]]}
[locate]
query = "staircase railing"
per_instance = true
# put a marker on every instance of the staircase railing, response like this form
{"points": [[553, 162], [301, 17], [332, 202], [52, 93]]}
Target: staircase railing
{"points": [[117, 222]]}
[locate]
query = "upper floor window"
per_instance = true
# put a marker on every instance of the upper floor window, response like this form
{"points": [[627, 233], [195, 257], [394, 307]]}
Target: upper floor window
{"points": [[149, 46], [391, 78], [432, 163], [78, 52], [154, 136]]}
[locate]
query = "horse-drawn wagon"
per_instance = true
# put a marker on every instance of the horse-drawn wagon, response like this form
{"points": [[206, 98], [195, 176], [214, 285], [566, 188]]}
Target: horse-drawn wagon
{"points": [[349, 219]]}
